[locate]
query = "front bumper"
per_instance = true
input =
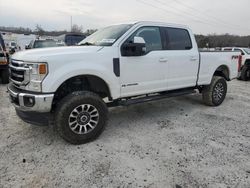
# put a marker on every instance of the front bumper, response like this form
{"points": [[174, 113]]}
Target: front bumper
{"points": [[35, 118], [28, 101]]}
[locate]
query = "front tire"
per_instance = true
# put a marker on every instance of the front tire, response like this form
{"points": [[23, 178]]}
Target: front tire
{"points": [[81, 117], [215, 93]]}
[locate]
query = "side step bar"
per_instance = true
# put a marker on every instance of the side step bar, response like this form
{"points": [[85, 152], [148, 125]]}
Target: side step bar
{"points": [[151, 97]]}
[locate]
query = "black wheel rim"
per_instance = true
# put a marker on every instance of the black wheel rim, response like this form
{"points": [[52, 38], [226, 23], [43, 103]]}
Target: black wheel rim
{"points": [[219, 92]]}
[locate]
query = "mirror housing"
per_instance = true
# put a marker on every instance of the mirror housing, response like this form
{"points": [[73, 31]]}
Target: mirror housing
{"points": [[139, 40], [135, 48]]}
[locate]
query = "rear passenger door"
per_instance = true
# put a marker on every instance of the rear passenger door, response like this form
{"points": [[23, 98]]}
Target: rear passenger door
{"points": [[182, 58]]}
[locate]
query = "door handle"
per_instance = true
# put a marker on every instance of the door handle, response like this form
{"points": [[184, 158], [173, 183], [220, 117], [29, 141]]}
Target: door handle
{"points": [[163, 60], [193, 58]]}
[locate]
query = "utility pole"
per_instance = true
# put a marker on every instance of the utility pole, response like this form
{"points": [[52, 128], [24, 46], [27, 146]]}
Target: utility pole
{"points": [[70, 23]]}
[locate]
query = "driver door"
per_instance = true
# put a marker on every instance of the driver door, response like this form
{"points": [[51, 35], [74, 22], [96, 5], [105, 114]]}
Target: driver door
{"points": [[146, 73]]}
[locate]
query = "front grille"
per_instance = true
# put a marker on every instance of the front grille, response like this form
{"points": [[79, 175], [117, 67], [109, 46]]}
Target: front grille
{"points": [[16, 64], [18, 73]]}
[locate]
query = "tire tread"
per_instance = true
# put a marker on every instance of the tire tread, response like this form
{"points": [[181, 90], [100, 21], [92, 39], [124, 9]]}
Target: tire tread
{"points": [[207, 91], [65, 103]]}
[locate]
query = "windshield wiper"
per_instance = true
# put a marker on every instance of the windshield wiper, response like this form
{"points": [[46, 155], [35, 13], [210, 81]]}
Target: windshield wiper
{"points": [[87, 44]]}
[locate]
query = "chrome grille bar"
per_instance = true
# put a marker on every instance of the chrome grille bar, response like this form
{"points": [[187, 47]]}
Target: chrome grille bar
{"points": [[18, 73]]}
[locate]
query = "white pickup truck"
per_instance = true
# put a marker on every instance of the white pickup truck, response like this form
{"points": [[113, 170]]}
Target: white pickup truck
{"points": [[118, 65], [244, 73]]}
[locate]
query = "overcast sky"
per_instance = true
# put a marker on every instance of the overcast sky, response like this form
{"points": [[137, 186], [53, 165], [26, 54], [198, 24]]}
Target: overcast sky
{"points": [[203, 16]]}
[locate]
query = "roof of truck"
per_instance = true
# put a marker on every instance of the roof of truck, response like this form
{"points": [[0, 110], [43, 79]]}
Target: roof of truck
{"points": [[161, 24], [152, 23]]}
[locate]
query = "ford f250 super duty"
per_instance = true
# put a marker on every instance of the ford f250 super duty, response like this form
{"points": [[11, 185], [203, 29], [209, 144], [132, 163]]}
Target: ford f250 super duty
{"points": [[116, 66]]}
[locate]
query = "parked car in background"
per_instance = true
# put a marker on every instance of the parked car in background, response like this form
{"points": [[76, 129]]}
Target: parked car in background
{"points": [[44, 43], [13, 44], [244, 73], [12, 47], [71, 39], [4, 69]]}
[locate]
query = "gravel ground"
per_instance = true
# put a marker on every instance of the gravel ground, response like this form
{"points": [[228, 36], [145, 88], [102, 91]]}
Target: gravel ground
{"points": [[176, 142]]}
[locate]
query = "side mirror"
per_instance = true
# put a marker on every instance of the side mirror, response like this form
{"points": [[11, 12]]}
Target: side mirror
{"points": [[135, 48], [139, 40]]}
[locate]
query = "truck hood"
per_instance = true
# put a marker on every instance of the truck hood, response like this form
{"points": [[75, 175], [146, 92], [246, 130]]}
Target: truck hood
{"points": [[38, 55]]}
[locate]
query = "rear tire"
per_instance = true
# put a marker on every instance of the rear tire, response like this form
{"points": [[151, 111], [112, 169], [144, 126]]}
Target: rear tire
{"points": [[81, 117], [215, 93], [244, 73], [5, 76]]}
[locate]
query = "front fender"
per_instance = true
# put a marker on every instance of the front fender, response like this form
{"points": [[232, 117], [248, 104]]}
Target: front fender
{"points": [[62, 73]]}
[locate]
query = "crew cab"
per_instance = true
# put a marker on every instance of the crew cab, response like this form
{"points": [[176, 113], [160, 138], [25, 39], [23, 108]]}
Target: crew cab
{"points": [[116, 66], [244, 73]]}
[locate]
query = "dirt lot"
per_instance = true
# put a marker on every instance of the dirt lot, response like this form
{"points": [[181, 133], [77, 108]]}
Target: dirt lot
{"points": [[176, 142]]}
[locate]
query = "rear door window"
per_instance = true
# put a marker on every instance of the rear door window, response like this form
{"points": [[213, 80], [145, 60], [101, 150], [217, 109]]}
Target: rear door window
{"points": [[177, 39]]}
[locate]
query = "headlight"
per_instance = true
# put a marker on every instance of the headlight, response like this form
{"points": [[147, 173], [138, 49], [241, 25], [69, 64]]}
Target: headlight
{"points": [[37, 72], [38, 69], [33, 69]]}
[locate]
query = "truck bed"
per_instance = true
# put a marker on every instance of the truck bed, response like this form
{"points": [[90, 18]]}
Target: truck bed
{"points": [[211, 60]]}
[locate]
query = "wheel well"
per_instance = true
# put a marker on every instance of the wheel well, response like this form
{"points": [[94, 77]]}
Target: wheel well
{"points": [[222, 71], [81, 83]]}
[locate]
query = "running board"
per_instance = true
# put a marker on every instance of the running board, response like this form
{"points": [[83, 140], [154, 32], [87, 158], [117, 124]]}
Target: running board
{"points": [[151, 97]]}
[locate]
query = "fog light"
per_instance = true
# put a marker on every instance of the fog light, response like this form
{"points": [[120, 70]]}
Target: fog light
{"points": [[29, 101]]}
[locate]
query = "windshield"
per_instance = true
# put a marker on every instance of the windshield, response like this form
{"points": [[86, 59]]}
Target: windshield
{"points": [[106, 36], [247, 50], [46, 44]]}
